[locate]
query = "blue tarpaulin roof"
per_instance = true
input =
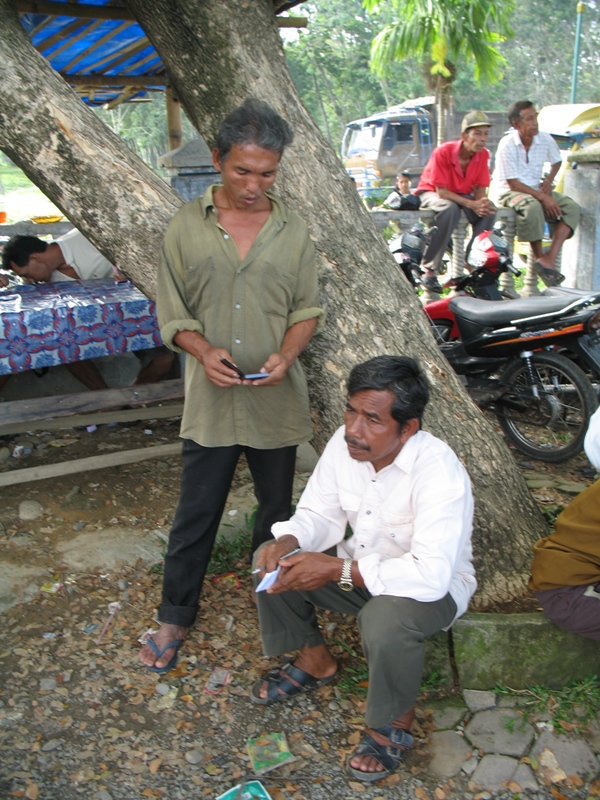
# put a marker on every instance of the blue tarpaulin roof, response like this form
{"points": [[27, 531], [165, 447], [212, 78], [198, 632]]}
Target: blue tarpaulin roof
{"points": [[106, 50], [98, 47]]}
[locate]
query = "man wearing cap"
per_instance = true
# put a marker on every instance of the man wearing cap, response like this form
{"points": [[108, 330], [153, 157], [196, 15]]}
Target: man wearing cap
{"points": [[519, 184], [456, 178]]}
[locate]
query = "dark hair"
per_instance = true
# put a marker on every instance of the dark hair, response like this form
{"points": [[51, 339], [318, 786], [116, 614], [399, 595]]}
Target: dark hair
{"points": [[404, 174], [254, 122], [18, 249], [400, 375], [514, 112]]}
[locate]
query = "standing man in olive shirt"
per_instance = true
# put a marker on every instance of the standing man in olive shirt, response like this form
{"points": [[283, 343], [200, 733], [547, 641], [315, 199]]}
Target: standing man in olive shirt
{"points": [[237, 283]]}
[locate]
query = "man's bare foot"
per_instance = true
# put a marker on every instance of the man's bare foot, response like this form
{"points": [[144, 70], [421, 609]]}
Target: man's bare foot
{"points": [[166, 634], [369, 763]]}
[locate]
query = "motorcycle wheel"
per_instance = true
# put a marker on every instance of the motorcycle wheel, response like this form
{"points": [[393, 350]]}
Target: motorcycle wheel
{"points": [[441, 330], [546, 419]]}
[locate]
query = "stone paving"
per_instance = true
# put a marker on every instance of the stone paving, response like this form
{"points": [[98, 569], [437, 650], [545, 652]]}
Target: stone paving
{"points": [[497, 748]]}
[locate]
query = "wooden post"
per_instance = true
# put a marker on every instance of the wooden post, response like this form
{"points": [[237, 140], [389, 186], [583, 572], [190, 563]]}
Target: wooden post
{"points": [[173, 120]]}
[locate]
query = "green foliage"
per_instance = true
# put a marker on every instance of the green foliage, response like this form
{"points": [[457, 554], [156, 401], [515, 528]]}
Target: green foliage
{"points": [[329, 64], [143, 127], [11, 177], [570, 707], [230, 553], [227, 553], [446, 32]]}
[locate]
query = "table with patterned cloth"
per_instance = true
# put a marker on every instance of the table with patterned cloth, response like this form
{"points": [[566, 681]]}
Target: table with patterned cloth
{"points": [[57, 323]]}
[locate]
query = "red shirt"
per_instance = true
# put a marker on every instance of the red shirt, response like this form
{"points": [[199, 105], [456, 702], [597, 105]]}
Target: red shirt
{"points": [[443, 170]]}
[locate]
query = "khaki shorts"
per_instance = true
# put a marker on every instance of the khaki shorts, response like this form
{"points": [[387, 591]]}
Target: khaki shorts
{"points": [[531, 219]]}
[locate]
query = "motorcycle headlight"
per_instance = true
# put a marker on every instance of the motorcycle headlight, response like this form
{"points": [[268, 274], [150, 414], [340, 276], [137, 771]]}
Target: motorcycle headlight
{"points": [[593, 324]]}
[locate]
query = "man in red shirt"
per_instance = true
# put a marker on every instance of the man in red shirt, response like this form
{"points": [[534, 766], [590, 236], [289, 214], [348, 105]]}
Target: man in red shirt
{"points": [[456, 177]]}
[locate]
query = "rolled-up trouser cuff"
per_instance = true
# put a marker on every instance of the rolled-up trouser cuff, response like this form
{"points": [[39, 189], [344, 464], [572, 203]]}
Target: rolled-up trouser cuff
{"points": [[177, 615]]}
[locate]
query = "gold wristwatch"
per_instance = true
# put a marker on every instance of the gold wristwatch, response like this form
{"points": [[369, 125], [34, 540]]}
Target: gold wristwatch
{"points": [[345, 582]]}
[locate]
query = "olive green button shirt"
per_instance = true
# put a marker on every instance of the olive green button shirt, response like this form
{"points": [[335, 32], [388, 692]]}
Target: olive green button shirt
{"points": [[246, 307]]}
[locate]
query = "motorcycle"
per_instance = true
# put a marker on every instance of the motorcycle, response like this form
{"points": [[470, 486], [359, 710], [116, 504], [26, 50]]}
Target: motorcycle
{"points": [[511, 355]]}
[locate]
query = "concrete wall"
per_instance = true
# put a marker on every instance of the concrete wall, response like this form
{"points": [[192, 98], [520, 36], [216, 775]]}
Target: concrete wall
{"points": [[581, 253]]}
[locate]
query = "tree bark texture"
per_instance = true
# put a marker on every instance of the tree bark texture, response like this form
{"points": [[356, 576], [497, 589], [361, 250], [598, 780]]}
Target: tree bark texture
{"points": [[218, 52], [64, 148]]}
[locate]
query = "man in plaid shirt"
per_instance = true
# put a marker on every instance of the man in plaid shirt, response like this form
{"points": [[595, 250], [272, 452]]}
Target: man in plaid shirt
{"points": [[519, 184]]}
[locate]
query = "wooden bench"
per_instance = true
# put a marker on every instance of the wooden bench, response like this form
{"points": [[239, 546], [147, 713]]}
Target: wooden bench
{"points": [[91, 408]]}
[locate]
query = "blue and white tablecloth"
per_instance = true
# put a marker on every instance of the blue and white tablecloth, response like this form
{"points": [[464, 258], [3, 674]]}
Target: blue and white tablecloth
{"points": [[58, 323]]}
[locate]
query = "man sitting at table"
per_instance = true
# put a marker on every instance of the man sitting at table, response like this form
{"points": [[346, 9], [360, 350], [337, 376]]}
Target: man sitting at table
{"points": [[73, 257]]}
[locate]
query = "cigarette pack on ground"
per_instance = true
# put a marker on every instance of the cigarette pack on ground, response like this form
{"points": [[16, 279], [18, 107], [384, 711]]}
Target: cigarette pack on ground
{"points": [[253, 790], [268, 752], [217, 680]]}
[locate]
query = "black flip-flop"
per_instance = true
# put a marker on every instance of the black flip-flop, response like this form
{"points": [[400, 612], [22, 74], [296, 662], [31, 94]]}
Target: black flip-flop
{"points": [[389, 756], [277, 682], [551, 277]]}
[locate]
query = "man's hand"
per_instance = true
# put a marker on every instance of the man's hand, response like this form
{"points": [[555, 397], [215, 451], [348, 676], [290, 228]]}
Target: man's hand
{"points": [[546, 185], [551, 207], [271, 553], [483, 207], [216, 371], [3, 281], [276, 366], [307, 571]]}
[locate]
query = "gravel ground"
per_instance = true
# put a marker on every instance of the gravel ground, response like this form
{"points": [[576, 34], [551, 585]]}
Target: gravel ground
{"points": [[79, 717]]}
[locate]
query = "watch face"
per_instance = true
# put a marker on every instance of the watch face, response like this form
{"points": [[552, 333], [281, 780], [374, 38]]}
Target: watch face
{"points": [[346, 586]]}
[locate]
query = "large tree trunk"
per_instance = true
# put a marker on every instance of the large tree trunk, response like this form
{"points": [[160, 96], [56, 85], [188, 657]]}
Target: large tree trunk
{"points": [[106, 190], [217, 53]]}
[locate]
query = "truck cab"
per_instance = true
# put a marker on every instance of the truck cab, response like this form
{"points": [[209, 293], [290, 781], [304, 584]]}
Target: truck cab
{"points": [[378, 148]]}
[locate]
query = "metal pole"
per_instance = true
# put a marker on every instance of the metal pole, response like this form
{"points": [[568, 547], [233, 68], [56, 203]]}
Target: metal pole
{"points": [[580, 7]]}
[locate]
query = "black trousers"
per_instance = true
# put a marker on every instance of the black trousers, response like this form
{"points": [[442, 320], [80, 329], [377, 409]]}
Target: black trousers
{"points": [[205, 483]]}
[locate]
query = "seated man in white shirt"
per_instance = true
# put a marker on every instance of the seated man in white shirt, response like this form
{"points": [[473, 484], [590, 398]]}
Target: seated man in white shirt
{"points": [[518, 183], [405, 570], [72, 257]]}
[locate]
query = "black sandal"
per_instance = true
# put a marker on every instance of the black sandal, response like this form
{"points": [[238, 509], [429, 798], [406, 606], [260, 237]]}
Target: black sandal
{"points": [[278, 682], [389, 756], [551, 277]]}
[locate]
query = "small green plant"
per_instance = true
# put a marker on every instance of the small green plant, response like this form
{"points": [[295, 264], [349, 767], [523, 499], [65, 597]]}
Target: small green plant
{"points": [[354, 678], [433, 683], [227, 553], [570, 707], [551, 512]]}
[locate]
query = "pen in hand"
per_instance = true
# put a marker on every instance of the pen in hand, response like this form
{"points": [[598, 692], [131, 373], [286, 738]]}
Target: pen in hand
{"points": [[287, 555]]}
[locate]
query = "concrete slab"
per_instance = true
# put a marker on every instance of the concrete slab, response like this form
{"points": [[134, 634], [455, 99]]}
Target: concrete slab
{"points": [[19, 584], [519, 650], [494, 772], [110, 547], [573, 755], [477, 700], [449, 750], [447, 713], [502, 731]]}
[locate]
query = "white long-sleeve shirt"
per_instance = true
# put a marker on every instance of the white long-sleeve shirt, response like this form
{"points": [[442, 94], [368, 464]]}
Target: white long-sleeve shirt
{"points": [[410, 522], [591, 443]]}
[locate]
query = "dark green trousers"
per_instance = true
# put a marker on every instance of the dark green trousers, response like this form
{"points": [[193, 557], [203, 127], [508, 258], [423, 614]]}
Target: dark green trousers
{"points": [[393, 632]]}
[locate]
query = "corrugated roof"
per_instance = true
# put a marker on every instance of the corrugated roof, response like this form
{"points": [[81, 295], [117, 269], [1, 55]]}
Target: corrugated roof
{"points": [[98, 47]]}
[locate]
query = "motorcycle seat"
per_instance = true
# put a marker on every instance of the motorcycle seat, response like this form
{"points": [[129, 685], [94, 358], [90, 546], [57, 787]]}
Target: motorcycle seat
{"points": [[565, 291], [502, 312]]}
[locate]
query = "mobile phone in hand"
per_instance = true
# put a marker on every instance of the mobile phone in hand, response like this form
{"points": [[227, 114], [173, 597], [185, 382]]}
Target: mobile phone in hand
{"points": [[253, 376], [227, 363]]}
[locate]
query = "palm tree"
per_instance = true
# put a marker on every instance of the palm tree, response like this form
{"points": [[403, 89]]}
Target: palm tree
{"points": [[443, 32]]}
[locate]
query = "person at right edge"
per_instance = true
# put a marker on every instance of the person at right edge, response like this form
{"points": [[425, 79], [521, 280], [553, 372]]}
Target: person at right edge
{"points": [[565, 573], [518, 183]]}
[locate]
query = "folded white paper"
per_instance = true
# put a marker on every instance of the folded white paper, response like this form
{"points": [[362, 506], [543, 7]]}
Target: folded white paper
{"points": [[268, 580]]}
